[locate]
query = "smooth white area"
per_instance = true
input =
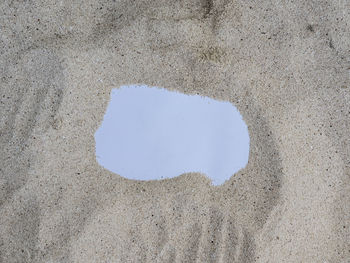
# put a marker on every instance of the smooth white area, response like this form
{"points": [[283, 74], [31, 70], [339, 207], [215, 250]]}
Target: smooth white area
{"points": [[150, 133]]}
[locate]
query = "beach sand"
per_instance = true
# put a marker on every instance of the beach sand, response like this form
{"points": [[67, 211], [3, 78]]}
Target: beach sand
{"points": [[284, 65]]}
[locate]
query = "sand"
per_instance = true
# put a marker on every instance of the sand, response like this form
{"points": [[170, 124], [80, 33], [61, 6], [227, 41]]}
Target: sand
{"points": [[283, 64]]}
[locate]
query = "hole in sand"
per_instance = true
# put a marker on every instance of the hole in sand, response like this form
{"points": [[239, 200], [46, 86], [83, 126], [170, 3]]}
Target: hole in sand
{"points": [[152, 133]]}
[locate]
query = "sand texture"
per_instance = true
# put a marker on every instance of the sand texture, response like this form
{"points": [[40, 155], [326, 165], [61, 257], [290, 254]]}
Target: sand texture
{"points": [[284, 64]]}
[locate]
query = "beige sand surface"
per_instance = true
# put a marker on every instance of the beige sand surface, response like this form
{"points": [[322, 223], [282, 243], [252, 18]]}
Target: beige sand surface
{"points": [[284, 64]]}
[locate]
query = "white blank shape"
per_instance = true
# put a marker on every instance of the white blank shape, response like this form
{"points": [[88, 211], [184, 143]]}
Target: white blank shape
{"points": [[152, 133]]}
